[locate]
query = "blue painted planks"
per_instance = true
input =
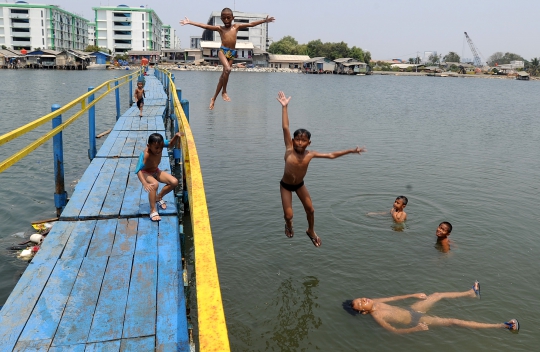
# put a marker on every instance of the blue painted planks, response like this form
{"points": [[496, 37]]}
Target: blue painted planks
{"points": [[32, 346], [71, 348], [111, 306], [125, 237], [141, 344], [102, 238], [79, 240], [77, 319], [171, 325], [117, 188], [47, 313], [107, 346]]}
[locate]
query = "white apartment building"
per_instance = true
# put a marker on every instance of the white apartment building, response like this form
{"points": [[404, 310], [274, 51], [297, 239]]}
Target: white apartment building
{"points": [[195, 42], [257, 35], [31, 26], [92, 33], [123, 28], [169, 39]]}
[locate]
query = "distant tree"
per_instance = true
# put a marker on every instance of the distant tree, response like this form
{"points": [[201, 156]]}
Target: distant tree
{"points": [[501, 59], [451, 57], [534, 67], [367, 57], [357, 54], [4, 47], [434, 59], [285, 46], [94, 48], [315, 48]]}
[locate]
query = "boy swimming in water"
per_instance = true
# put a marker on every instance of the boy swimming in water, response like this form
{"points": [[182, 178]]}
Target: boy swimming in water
{"points": [[150, 175], [442, 233], [397, 211], [226, 52], [415, 317], [297, 160]]}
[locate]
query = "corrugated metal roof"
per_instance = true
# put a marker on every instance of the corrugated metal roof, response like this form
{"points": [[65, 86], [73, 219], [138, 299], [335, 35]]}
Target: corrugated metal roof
{"points": [[343, 59]]}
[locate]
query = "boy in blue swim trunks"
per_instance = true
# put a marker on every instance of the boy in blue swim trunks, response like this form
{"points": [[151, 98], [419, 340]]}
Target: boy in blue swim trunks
{"points": [[150, 175], [226, 52], [297, 160], [414, 318]]}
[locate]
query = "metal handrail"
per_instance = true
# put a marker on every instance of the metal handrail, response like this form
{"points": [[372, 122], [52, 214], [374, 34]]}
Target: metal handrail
{"points": [[4, 165], [213, 334]]}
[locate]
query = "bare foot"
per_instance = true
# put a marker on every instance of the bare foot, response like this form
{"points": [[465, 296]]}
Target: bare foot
{"points": [[316, 240], [289, 231], [212, 101], [225, 97]]}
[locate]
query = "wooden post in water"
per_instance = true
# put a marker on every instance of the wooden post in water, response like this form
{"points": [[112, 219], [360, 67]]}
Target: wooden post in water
{"points": [[91, 127], [117, 95], [60, 195]]}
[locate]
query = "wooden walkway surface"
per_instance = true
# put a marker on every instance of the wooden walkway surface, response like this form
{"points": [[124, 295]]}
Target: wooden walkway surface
{"points": [[107, 278]]}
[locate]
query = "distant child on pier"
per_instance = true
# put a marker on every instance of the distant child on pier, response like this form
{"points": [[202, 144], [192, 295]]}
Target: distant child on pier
{"points": [[226, 52], [139, 97], [397, 211], [149, 173], [297, 160]]}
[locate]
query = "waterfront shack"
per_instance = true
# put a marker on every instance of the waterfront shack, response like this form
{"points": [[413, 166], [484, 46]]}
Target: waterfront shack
{"points": [[523, 76], [74, 60], [319, 65], [102, 58], [350, 66], [135, 57], [286, 61], [10, 58], [340, 68], [43, 58]]}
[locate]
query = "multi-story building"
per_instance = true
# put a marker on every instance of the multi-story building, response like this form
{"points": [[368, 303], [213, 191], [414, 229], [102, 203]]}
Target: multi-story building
{"points": [[169, 39], [123, 28], [195, 42], [257, 35], [91, 33], [31, 26]]}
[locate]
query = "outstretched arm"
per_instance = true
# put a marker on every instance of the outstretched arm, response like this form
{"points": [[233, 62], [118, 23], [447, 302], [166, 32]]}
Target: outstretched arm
{"points": [[337, 154], [397, 298], [175, 139], [256, 23], [285, 119], [197, 24]]}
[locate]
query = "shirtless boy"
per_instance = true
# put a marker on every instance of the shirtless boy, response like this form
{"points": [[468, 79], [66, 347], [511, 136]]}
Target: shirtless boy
{"points": [[297, 160], [442, 233], [150, 175], [139, 97], [414, 317], [226, 52], [397, 211]]}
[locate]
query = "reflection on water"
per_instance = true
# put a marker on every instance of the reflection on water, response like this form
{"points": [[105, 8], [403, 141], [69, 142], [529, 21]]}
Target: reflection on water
{"points": [[293, 315]]}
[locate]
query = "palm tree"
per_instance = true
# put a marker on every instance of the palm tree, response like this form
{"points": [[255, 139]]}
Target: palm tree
{"points": [[534, 66]]}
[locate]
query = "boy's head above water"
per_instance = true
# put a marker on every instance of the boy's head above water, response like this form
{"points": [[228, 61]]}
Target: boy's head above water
{"points": [[400, 203], [444, 229]]}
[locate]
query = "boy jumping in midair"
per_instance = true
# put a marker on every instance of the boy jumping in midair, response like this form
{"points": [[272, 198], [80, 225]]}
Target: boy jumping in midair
{"points": [[227, 50], [297, 160]]}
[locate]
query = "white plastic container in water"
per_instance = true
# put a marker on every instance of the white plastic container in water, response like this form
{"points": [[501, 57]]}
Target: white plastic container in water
{"points": [[37, 238]]}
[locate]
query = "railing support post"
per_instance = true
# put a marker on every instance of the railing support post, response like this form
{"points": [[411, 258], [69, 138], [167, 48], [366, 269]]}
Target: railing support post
{"points": [[60, 195], [185, 107], [131, 90], [117, 95], [171, 100], [91, 127], [179, 94]]}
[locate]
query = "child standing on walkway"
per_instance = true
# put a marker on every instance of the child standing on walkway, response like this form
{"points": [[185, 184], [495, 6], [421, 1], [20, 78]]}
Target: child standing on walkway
{"points": [[227, 52], [139, 97], [150, 175], [297, 160]]}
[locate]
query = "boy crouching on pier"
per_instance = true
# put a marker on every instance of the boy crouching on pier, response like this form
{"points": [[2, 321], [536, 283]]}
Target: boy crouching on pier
{"points": [[150, 175]]}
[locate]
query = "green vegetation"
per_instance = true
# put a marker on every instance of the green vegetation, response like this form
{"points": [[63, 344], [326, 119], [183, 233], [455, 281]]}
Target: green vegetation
{"points": [[451, 57], [94, 48], [533, 66], [501, 59], [316, 48]]}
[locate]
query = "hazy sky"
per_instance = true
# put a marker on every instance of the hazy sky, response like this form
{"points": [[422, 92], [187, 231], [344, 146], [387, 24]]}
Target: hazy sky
{"points": [[388, 29]]}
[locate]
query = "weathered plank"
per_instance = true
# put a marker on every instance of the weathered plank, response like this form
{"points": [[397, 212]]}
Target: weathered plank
{"points": [[140, 344], [79, 239], [117, 188], [102, 238], [125, 237], [107, 346]]}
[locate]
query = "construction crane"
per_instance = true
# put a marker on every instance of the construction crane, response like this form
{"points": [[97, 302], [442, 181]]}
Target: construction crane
{"points": [[477, 61]]}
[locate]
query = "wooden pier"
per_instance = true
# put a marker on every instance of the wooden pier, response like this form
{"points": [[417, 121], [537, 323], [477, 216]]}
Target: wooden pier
{"points": [[107, 278]]}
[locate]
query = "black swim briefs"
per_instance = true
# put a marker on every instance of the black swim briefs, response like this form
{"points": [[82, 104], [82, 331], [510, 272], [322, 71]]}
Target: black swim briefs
{"points": [[291, 188]]}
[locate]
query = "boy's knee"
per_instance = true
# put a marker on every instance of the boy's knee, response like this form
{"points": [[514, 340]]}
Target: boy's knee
{"points": [[310, 211], [227, 70], [174, 182], [288, 215]]}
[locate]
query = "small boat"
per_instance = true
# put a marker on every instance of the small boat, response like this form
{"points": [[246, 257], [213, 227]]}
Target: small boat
{"points": [[96, 67]]}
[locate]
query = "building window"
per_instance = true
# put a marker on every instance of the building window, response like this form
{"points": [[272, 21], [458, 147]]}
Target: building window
{"points": [[143, 16], [122, 14], [143, 26], [42, 32], [43, 41], [20, 20], [19, 11], [41, 23], [21, 30], [122, 32]]}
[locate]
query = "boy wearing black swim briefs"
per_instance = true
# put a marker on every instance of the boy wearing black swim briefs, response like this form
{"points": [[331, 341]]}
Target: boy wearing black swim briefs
{"points": [[297, 160]]}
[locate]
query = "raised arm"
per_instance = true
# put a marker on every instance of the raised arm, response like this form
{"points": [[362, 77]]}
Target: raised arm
{"points": [[285, 119], [197, 24], [337, 154], [397, 298], [255, 23], [175, 139]]}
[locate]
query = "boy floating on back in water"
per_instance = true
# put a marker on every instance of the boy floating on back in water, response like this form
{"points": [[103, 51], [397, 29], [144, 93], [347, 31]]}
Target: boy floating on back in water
{"points": [[297, 160], [139, 97], [150, 175], [226, 52]]}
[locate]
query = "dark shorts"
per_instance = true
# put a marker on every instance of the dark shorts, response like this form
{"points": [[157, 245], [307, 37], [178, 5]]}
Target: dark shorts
{"points": [[291, 188], [140, 102], [415, 317]]}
